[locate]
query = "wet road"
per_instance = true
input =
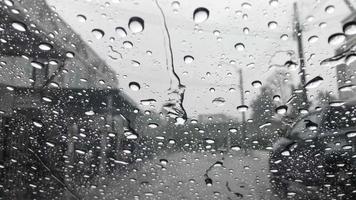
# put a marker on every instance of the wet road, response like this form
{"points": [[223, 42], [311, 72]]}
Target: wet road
{"points": [[180, 175]]}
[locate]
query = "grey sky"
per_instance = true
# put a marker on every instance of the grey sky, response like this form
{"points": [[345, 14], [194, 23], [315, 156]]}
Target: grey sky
{"points": [[215, 60]]}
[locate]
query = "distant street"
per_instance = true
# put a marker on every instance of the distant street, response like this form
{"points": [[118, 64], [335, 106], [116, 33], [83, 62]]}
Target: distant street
{"points": [[181, 176]]}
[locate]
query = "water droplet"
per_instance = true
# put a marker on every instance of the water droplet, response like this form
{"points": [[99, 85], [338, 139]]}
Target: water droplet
{"points": [[272, 25], [9, 3], [200, 15], [45, 46], [336, 103], [315, 82], [127, 44], [135, 63], [70, 54], [351, 134], [219, 101], [246, 5], [285, 153], [50, 144], [46, 99], [256, 84], [282, 109], [209, 141], [80, 152], [163, 161], [37, 124], [330, 9], [336, 39], [136, 24], [235, 148], [313, 39], [233, 130], [188, 59], [121, 32], [134, 86], [349, 28], [90, 113], [242, 108], [36, 65], [284, 37], [273, 3], [276, 98], [82, 18], [152, 125], [19, 26], [10, 88], [132, 137], [239, 46], [98, 33], [350, 59], [175, 5]]}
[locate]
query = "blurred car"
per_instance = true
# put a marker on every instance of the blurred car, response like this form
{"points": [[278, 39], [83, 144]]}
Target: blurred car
{"points": [[316, 159]]}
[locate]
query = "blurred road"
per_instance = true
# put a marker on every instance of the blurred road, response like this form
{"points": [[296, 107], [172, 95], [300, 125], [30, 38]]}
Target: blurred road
{"points": [[181, 176]]}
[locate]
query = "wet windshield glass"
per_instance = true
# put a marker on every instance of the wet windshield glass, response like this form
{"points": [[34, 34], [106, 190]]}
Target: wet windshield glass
{"points": [[177, 99]]}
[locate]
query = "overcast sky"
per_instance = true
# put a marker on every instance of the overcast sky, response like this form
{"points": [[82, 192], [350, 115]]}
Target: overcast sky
{"points": [[216, 61]]}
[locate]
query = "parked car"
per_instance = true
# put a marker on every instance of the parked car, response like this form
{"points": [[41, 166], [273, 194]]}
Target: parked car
{"points": [[316, 159]]}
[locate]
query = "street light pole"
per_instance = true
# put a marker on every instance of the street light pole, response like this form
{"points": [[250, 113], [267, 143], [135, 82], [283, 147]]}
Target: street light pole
{"points": [[243, 121], [299, 37]]}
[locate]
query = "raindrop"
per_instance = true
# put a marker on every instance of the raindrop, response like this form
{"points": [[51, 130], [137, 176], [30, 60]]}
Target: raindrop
{"points": [[350, 59], [313, 39], [330, 9], [9, 2], [19, 26], [273, 3], [350, 28], [200, 15], [80, 152], [121, 32], [135, 63], [136, 24], [163, 161], [127, 44], [235, 148], [272, 25], [134, 86], [152, 125], [98, 34], [175, 5], [284, 37], [351, 134], [45, 46], [90, 113], [209, 141], [37, 124], [242, 108], [36, 65], [70, 54], [336, 103], [233, 130], [285, 153], [282, 109], [188, 59], [131, 137], [46, 99], [208, 181], [276, 98], [336, 39], [82, 18], [239, 46], [246, 5], [50, 144], [219, 101], [315, 82], [256, 84]]}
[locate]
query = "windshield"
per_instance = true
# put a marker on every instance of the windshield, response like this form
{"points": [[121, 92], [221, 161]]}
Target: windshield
{"points": [[176, 99]]}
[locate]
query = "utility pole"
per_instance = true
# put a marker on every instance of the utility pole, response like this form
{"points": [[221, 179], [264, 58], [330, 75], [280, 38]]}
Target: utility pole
{"points": [[242, 100], [299, 37]]}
